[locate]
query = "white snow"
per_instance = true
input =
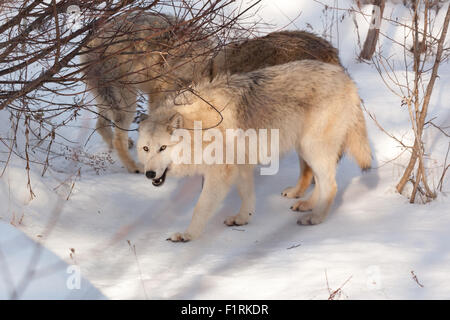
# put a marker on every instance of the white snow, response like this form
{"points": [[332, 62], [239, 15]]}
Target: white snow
{"points": [[373, 242], [30, 271]]}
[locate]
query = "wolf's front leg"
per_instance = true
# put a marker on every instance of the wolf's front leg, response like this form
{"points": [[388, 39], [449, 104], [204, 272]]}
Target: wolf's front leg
{"points": [[246, 191], [217, 183]]}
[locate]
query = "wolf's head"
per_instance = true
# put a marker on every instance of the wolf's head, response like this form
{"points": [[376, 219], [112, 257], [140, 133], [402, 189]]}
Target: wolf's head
{"points": [[154, 146]]}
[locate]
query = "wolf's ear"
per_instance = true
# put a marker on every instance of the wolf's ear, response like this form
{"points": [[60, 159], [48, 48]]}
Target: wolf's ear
{"points": [[175, 122]]}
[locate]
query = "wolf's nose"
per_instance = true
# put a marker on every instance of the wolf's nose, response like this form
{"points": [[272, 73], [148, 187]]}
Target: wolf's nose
{"points": [[150, 174]]}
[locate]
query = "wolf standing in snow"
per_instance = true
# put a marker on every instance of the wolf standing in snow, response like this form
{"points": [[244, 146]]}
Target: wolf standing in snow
{"points": [[141, 53], [315, 107]]}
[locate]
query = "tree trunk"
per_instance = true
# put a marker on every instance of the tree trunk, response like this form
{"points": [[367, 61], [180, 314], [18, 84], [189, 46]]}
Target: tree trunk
{"points": [[374, 31]]}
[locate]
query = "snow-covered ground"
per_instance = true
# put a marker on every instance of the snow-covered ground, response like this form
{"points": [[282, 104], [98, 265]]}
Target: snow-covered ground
{"points": [[374, 244], [30, 271]]}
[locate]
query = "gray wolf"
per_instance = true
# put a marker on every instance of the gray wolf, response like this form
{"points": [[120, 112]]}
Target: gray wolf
{"points": [[315, 106], [141, 52]]}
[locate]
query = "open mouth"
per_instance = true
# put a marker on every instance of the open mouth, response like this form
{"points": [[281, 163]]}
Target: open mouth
{"points": [[158, 182]]}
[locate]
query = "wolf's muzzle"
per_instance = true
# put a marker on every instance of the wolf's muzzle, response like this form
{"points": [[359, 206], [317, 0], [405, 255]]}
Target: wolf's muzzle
{"points": [[158, 182]]}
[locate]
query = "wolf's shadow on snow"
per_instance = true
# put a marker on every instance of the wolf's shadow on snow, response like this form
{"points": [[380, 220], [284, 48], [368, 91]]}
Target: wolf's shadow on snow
{"points": [[285, 231]]}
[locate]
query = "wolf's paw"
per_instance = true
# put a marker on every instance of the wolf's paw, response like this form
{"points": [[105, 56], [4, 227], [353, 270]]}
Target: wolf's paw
{"points": [[138, 168], [302, 205], [180, 237], [291, 192], [237, 220], [310, 219]]}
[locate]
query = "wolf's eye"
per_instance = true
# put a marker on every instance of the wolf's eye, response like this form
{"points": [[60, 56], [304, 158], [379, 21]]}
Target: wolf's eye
{"points": [[162, 148], [145, 148]]}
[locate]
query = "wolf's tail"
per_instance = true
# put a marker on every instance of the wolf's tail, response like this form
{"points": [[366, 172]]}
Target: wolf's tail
{"points": [[357, 142]]}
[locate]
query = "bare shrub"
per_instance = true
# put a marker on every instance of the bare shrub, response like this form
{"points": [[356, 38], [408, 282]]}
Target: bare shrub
{"points": [[40, 76]]}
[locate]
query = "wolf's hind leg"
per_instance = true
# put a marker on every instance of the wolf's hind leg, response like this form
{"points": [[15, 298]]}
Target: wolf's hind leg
{"points": [[246, 190], [303, 182], [103, 127], [324, 169], [104, 97], [123, 117]]}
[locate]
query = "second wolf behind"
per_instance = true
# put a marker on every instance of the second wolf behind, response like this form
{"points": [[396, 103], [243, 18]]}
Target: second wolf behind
{"points": [[314, 105], [140, 53]]}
